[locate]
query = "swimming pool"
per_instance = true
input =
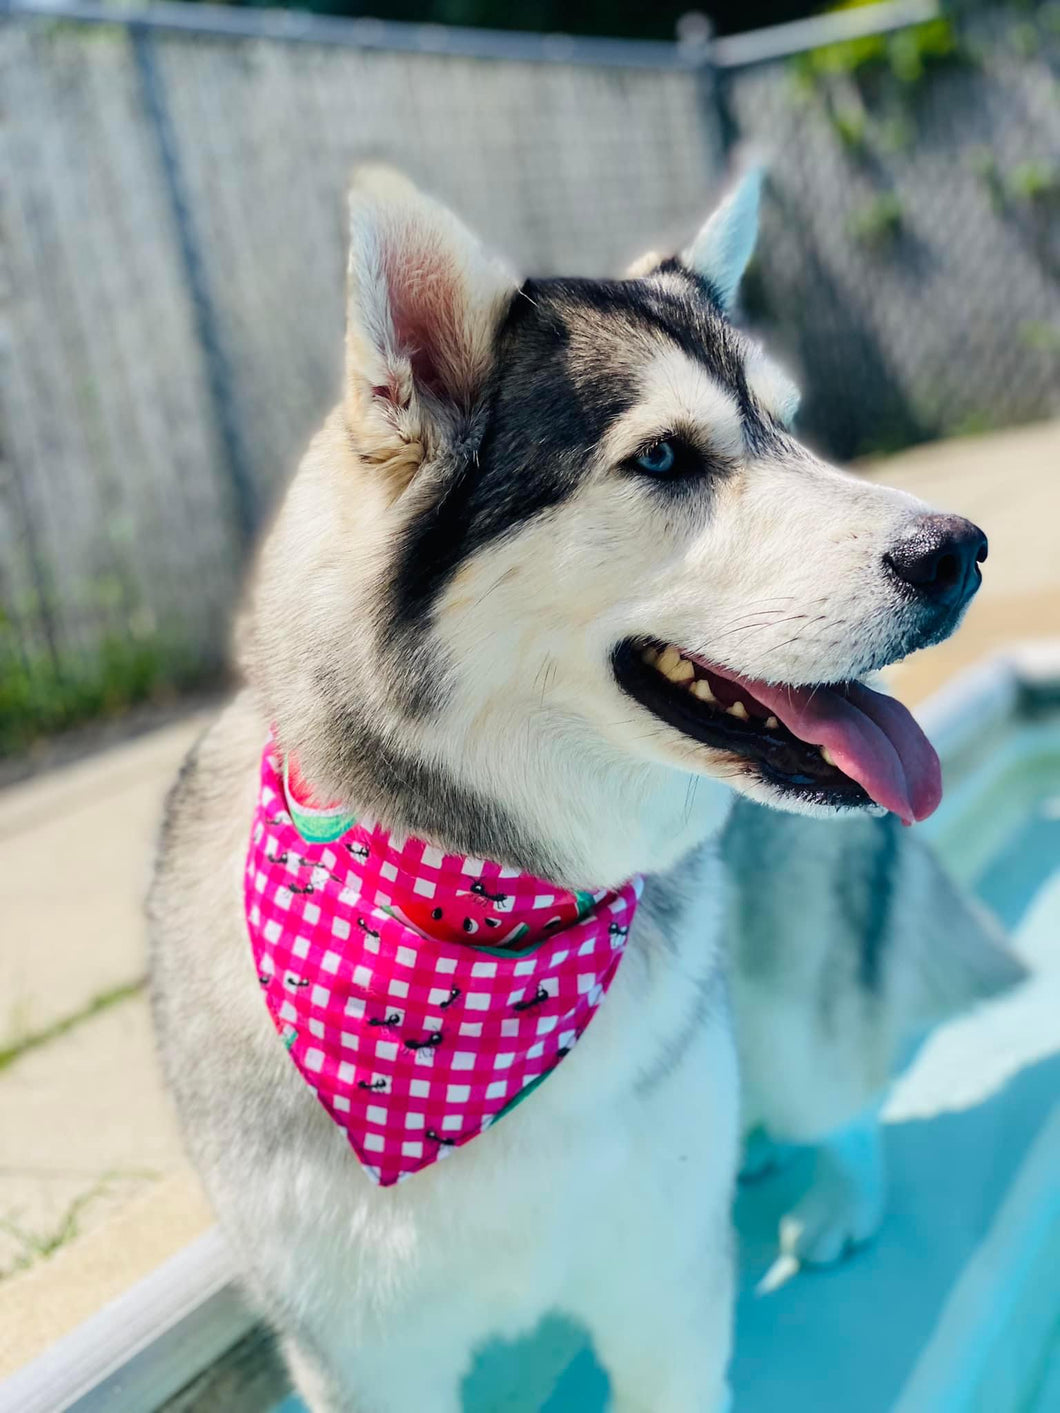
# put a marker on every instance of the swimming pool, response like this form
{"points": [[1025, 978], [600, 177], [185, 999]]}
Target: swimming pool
{"points": [[956, 1306], [954, 1309]]}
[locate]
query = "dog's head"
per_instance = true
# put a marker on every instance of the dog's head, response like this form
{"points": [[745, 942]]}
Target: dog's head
{"points": [[559, 545]]}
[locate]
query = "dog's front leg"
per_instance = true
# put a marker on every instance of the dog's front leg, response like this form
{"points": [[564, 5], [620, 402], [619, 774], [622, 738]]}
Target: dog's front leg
{"points": [[420, 1365], [844, 1204], [312, 1380], [670, 1354], [664, 1334], [656, 1278]]}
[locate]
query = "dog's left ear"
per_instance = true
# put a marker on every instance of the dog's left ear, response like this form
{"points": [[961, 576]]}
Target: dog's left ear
{"points": [[425, 300], [723, 248]]}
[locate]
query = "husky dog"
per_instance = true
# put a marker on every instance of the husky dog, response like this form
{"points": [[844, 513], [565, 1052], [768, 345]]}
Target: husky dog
{"points": [[554, 560], [849, 943]]}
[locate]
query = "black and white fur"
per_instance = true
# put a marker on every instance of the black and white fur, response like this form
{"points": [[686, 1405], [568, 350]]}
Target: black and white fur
{"points": [[432, 625], [848, 944]]}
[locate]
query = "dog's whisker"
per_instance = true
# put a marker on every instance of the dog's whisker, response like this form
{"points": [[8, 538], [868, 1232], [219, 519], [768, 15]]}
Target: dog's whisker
{"points": [[768, 623]]}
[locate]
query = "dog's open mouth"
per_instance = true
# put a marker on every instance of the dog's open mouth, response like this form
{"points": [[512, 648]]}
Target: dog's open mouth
{"points": [[838, 745]]}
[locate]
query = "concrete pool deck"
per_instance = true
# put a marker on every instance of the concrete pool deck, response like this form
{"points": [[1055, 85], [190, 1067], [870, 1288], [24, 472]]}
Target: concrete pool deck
{"points": [[90, 1161]]}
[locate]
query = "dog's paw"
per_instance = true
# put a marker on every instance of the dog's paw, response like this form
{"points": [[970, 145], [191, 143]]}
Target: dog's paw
{"points": [[844, 1205], [763, 1155]]}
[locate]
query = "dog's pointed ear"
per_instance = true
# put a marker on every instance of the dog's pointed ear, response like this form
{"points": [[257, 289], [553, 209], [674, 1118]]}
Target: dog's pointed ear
{"points": [[723, 248], [425, 301]]}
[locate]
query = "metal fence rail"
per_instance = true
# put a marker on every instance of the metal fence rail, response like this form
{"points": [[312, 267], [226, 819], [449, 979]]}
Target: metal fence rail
{"points": [[172, 252], [304, 26]]}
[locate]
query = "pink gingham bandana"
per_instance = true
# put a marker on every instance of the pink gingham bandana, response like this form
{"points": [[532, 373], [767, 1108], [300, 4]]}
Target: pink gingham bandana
{"points": [[386, 968]]}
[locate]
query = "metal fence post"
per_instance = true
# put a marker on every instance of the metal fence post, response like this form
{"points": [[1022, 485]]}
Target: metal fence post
{"points": [[695, 41], [245, 497]]}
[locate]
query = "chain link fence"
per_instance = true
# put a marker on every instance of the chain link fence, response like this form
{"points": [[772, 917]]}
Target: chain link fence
{"points": [[171, 266], [910, 252], [173, 295]]}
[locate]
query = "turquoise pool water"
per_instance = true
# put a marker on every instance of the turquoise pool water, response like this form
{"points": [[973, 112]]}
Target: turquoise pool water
{"points": [[846, 1340], [959, 1127]]}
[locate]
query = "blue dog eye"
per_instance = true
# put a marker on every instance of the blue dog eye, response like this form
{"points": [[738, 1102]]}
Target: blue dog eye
{"points": [[658, 459]]}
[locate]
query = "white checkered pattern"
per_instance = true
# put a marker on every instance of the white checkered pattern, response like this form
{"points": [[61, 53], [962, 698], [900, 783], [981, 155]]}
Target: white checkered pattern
{"points": [[398, 1030]]}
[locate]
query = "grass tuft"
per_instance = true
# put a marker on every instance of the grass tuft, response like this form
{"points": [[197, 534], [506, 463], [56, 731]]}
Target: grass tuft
{"points": [[103, 1002], [37, 1245]]}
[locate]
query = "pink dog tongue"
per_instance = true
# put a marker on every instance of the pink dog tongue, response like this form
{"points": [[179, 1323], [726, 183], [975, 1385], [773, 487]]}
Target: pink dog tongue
{"points": [[871, 738]]}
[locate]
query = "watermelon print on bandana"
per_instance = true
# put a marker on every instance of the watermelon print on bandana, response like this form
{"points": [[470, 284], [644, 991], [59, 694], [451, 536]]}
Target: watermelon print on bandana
{"points": [[419, 994]]}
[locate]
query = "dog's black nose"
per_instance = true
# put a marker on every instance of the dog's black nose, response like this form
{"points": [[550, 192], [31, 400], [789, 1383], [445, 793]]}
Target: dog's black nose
{"points": [[939, 557]]}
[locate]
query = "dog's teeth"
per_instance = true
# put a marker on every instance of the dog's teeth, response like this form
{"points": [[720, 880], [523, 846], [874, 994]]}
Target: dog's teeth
{"points": [[772, 724], [826, 756], [737, 709], [701, 689], [668, 660], [683, 672]]}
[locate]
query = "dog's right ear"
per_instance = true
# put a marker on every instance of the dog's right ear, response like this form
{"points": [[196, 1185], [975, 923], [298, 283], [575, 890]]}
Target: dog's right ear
{"points": [[425, 301]]}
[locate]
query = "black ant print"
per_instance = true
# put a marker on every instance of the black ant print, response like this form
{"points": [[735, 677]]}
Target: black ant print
{"points": [[373, 1084], [479, 888], [391, 1018], [437, 1138], [277, 819], [303, 862], [432, 1039], [294, 888], [454, 992], [540, 995], [617, 930], [368, 931], [295, 983], [314, 864], [264, 978], [359, 851]]}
